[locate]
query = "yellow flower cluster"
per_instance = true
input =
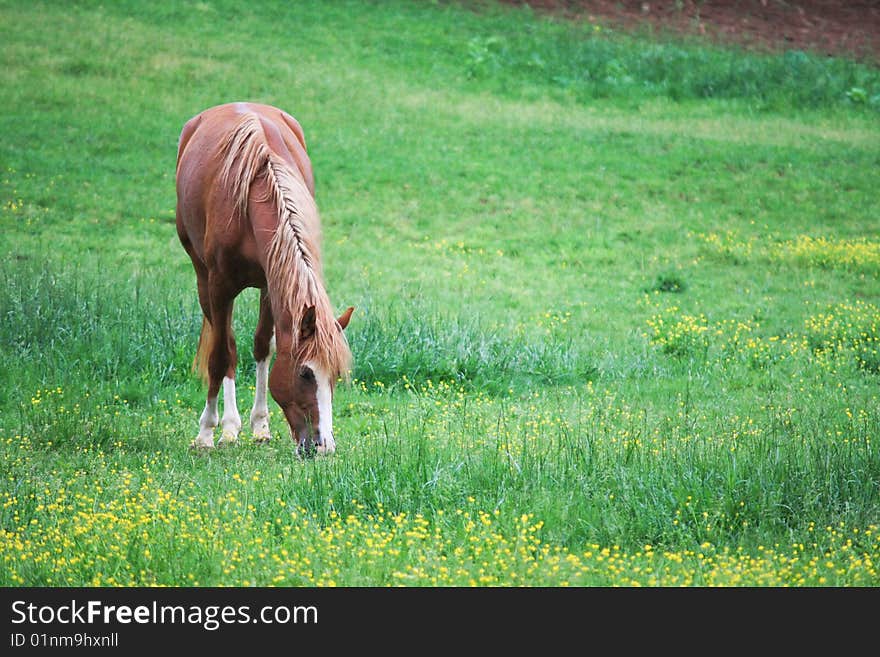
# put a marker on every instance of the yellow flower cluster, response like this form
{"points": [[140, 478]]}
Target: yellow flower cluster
{"points": [[142, 535], [846, 332], [680, 334], [847, 329], [130, 518], [858, 254]]}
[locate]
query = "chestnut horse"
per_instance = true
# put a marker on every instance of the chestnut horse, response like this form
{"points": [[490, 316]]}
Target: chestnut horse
{"points": [[246, 216]]}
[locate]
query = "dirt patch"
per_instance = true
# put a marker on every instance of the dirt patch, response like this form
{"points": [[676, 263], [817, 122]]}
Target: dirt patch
{"points": [[828, 27]]}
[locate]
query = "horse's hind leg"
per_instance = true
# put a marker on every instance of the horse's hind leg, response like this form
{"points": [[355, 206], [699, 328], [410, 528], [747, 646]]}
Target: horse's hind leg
{"points": [[209, 418], [264, 346]]}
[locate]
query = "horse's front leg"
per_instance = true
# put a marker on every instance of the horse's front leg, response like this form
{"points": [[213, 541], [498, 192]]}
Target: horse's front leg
{"points": [[230, 423], [207, 423], [231, 420], [221, 371], [264, 347]]}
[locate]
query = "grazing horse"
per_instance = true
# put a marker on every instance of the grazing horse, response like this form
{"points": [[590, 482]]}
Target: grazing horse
{"points": [[246, 216]]}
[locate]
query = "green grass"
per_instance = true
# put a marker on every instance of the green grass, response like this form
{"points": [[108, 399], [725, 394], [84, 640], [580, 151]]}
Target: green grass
{"points": [[618, 311]]}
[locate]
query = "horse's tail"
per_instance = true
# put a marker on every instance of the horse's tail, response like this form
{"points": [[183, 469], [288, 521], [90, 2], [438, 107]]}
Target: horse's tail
{"points": [[200, 362]]}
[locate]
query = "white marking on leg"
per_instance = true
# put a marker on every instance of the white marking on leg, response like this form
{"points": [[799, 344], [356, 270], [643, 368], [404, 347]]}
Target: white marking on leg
{"points": [[231, 421], [260, 411], [207, 422], [325, 409]]}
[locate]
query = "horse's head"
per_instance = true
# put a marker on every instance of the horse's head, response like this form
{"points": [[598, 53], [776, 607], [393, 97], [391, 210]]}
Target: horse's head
{"points": [[303, 386]]}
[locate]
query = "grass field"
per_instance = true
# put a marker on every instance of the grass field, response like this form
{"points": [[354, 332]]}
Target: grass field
{"points": [[618, 307]]}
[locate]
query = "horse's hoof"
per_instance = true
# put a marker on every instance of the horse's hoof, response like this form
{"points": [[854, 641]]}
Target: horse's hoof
{"points": [[262, 436], [327, 446], [227, 439], [199, 444]]}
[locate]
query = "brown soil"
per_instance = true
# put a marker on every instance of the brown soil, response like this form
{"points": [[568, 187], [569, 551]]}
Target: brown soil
{"points": [[828, 27]]}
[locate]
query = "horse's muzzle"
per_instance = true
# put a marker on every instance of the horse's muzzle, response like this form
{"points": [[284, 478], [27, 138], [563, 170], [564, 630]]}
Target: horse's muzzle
{"points": [[310, 443]]}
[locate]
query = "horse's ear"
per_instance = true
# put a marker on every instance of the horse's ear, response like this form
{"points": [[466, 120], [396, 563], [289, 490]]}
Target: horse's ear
{"points": [[345, 317], [307, 325]]}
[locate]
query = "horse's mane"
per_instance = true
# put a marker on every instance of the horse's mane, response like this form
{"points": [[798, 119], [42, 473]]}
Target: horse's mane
{"points": [[293, 257]]}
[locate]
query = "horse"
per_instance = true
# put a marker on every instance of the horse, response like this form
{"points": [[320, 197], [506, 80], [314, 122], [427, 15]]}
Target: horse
{"points": [[247, 218]]}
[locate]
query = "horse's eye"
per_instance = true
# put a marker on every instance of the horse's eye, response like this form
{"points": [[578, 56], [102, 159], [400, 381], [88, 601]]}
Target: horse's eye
{"points": [[306, 374]]}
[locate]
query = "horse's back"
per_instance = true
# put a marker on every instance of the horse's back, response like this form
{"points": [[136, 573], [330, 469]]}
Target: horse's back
{"points": [[202, 135], [204, 203]]}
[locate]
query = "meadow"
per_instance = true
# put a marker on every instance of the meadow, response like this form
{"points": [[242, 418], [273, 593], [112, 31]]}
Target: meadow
{"points": [[617, 304]]}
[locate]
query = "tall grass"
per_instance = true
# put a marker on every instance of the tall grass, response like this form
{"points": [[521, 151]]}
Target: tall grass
{"points": [[413, 343], [67, 325], [144, 334]]}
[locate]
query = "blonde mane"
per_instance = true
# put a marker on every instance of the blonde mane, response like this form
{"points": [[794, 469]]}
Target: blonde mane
{"points": [[293, 258]]}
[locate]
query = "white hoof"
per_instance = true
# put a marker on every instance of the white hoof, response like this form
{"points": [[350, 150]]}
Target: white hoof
{"points": [[262, 435], [327, 446], [202, 442], [228, 438], [260, 429]]}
